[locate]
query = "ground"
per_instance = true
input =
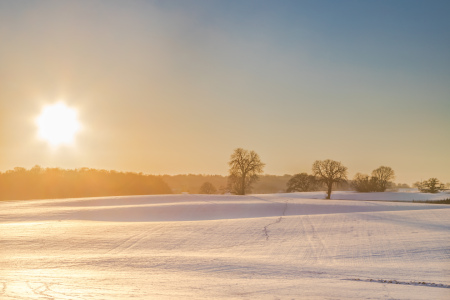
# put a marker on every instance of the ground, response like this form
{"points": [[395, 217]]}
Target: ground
{"points": [[279, 246]]}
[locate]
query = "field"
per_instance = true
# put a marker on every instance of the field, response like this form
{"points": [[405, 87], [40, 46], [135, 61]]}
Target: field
{"points": [[277, 246]]}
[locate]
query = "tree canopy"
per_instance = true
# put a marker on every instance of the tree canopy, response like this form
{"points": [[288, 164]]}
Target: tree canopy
{"points": [[302, 183], [329, 172], [378, 182], [432, 185], [383, 175], [245, 168]]}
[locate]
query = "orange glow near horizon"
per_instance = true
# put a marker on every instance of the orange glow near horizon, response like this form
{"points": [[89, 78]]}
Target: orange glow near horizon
{"points": [[161, 87], [58, 124]]}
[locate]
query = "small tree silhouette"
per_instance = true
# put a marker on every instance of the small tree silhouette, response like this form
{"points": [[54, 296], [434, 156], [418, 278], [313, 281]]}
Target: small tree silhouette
{"points": [[207, 188], [377, 183], [302, 183], [382, 177], [245, 166], [329, 172], [431, 185]]}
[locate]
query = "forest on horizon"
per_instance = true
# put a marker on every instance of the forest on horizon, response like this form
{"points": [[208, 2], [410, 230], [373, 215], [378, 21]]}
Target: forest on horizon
{"points": [[49, 183]]}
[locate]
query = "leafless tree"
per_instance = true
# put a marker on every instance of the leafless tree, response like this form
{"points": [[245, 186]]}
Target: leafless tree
{"points": [[383, 176], [329, 172], [207, 188], [432, 185], [245, 166]]}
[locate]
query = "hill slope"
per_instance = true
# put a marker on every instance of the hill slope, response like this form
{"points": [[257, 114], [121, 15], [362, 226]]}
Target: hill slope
{"points": [[212, 247]]}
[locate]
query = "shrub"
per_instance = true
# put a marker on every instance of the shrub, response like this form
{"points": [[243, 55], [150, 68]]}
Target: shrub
{"points": [[302, 183], [431, 185], [207, 188]]}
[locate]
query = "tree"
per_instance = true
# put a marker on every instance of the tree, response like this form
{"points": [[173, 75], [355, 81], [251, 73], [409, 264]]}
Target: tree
{"points": [[245, 166], [431, 185], [363, 183], [329, 172], [302, 183], [383, 175], [378, 182], [403, 186], [207, 188]]}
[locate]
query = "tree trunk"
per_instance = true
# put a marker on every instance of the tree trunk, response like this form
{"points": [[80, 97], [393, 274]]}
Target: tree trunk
{"points": [[243, 184], [329, 190]]}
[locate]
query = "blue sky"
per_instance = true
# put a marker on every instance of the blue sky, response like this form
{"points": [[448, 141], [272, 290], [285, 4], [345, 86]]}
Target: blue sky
{"points": [[174, 86]]}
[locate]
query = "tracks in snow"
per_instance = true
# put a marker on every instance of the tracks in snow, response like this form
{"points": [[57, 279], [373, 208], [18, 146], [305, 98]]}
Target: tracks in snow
{"points": [[419, 283], [266, 231], [127, 243]]}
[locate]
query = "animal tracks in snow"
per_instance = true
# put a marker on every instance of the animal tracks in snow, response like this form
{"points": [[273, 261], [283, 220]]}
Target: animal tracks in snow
{"points": [[266, 231]]}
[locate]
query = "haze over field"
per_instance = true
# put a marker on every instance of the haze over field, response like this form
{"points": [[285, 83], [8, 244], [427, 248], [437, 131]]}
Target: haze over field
{"points": [[172, 87], [279, 246], [108, 99]]}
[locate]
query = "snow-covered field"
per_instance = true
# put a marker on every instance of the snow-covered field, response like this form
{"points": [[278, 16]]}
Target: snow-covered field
{"points": [[279, 246]]}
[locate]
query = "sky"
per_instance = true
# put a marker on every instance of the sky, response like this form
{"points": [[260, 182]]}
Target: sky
{"points": [[173, 87]]}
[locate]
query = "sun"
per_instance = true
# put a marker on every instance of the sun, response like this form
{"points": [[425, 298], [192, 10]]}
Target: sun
{"points": [[58, 124]]}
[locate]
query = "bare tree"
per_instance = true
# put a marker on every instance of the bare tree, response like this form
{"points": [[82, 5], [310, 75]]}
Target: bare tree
{"points": [[383, 176], [378, 182], [432, 185], [302, 183], [329, 172], [245, 166], [207, 188]]}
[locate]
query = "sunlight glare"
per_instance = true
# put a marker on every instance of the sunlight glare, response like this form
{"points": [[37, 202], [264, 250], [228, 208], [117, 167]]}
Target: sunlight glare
{"points": [[58, 124]]}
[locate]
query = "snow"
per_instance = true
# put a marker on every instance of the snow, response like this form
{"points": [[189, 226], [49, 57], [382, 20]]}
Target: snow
{"points": [[277, 246], [385, 196]]}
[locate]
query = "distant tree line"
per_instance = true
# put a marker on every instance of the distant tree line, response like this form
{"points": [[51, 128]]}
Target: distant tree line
{"points": [[193, 183], [329, 173], [245, 176], [45, 183], [246, 168]]}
